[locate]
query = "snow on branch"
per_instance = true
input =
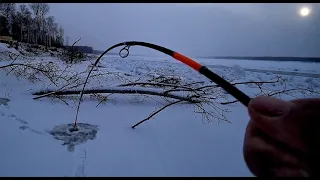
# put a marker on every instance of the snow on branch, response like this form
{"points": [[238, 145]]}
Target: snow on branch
{"points": [[119, 90]]}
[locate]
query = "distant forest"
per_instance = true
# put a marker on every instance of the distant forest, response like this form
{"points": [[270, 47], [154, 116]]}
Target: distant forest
{"points": [[30, 24], [267, 58]]}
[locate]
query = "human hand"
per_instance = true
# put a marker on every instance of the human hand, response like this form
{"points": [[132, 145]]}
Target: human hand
{"points": [[281, 137]]}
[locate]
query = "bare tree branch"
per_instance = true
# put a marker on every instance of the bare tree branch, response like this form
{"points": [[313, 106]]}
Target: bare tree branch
{"points": [[276, 93], [117, 90], [104, 99], [43, 71], [230, 102], [156, 112], [289, 90]]}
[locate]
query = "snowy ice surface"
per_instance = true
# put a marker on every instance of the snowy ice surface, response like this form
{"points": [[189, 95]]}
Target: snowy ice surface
{"points": [[5, 48], [295, 66], [175, 143]]}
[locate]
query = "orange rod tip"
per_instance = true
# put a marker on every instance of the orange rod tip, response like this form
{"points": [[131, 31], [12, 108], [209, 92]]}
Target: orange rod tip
{"points": [[195, 65]]}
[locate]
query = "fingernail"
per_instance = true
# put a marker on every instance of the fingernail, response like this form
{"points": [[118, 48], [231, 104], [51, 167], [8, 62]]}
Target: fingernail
{"points": [[269, 106]]}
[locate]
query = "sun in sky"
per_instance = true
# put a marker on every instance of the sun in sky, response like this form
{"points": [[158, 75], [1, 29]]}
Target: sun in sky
{"points": [[304, 11]]}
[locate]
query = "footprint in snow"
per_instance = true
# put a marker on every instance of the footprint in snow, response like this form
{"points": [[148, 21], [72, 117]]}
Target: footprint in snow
{"points": [[21, 121], [30, 129], [23, 127], [4, 101], [80, 166], [17, 119]]}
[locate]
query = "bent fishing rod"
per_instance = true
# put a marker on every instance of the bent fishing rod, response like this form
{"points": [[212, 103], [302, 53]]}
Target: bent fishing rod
{"points": [[235, 92]]}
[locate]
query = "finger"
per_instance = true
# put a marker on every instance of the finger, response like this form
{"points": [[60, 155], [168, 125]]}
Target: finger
{"points": [[262, 154], [313, 103], [267, 114], [284, 121], [308, 111], [270, 106]]}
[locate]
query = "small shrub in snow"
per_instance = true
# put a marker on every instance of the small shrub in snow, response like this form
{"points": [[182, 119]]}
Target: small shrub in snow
{"points": [[283, 80], [238, 71], [167, 79], [308, 80], [311, 83], [71, 57]]}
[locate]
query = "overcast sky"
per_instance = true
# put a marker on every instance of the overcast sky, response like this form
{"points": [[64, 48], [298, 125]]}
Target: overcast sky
{"points": [[196, 29]]}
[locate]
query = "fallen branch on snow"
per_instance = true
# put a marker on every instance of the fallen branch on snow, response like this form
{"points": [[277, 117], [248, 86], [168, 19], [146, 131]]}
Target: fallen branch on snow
{"points": [[201, 96], [118, 90]]}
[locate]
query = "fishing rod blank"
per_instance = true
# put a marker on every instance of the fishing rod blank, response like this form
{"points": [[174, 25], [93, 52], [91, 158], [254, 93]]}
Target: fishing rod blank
{"points": [[235, 92]]}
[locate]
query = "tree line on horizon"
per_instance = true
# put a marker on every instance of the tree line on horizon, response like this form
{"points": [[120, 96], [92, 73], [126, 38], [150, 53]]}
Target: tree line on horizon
{"points": [[30, 24]]}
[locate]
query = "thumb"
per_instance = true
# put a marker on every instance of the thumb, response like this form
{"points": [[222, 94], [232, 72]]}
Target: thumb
{"points": [[269, 106], [267, 113]]}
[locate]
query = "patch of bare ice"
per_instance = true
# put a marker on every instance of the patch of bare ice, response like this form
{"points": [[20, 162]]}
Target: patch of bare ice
{"points": [[71, 138]]}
